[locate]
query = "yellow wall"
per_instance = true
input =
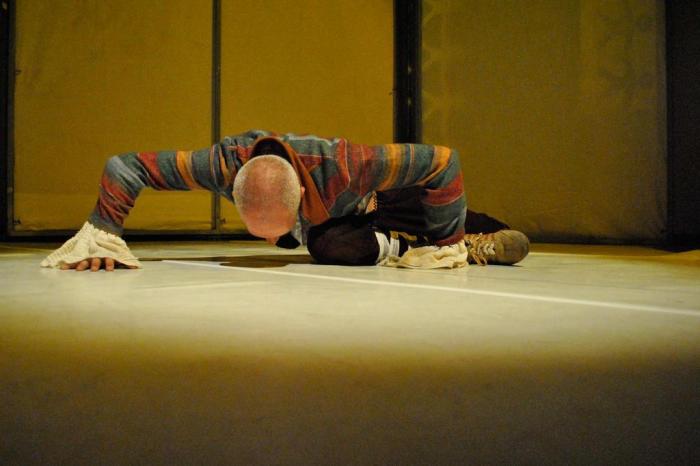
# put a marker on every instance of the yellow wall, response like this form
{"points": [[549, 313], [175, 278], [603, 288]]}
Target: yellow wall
{"points": [[100, 78], [318, 66], [557, 108]]}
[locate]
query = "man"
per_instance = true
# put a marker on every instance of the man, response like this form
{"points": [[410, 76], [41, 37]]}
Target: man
{"points": [[347, 202]]}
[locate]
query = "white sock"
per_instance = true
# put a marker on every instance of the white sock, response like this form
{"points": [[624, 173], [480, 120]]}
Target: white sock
{"points": [[387, 246]]}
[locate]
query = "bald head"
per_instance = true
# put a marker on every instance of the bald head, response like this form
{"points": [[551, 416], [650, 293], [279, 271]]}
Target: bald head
{"points": [[267, 193]]}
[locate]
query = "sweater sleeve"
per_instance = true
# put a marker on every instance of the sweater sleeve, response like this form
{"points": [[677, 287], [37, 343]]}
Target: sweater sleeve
{"points": [[123, 179], [125, 175], [435, 169]]}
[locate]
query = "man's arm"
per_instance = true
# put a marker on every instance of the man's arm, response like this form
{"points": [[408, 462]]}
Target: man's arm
{"points": [[98, 242], [126, 175], [123, 179]]}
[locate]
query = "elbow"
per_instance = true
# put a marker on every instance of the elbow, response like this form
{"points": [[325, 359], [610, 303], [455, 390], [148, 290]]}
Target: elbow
{"points": [[113, 165]]}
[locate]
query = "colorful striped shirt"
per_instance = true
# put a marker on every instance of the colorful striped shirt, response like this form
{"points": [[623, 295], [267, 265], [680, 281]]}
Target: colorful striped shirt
{"points": [[338, 175]]}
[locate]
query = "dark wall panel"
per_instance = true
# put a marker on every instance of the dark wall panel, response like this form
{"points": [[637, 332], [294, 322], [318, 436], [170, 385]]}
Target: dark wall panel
{"points": [[683, 52]]}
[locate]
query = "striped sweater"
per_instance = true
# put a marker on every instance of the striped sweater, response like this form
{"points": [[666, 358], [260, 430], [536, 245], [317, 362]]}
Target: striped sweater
{"points": [[338, 176]]}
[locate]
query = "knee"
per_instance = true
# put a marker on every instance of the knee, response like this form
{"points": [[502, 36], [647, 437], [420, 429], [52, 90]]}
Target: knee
{"points": [[343, 242]]}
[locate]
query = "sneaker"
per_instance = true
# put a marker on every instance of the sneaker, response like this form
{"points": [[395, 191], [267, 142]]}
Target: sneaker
{"points": [[504, 247]]}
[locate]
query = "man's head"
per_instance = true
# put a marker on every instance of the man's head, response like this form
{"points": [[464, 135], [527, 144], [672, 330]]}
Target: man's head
{"points": [[267, 193]]}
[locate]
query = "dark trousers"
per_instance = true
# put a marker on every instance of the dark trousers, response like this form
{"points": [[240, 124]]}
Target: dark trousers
{"points": [[351, 240]]}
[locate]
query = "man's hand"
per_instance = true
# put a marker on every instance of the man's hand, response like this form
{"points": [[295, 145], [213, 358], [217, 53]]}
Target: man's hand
{"points": [[95, 264]]}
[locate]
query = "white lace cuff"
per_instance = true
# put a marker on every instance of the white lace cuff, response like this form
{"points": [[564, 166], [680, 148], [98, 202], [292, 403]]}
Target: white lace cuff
{"points": [[91, 242], [431, 257]]}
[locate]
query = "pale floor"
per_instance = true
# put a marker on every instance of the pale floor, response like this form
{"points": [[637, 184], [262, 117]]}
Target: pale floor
{"points": [[240, 353]]}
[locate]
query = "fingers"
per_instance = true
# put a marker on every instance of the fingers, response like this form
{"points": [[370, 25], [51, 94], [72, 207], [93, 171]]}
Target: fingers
{"points": [[82, 265], [95, 263]]}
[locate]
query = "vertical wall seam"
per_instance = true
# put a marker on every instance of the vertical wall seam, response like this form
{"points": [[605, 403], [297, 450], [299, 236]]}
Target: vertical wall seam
{"points": [[670, 149], [216, 103], [7, 131], [407, 71]]}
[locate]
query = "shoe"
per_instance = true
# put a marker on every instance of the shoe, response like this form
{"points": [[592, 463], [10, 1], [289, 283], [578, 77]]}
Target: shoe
{"points": [[504, 247]]}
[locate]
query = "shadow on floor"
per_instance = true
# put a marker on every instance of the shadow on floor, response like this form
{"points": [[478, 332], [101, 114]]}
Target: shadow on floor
{"points": [[255, 261], [151, 403]]}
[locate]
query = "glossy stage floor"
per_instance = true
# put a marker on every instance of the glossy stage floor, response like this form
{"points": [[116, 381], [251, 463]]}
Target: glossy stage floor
{"points": [[240, 353]]}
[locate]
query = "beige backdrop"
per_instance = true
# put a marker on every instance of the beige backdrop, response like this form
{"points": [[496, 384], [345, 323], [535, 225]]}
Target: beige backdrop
{"points": [[100, 78], [317, 66], [557, 108]]}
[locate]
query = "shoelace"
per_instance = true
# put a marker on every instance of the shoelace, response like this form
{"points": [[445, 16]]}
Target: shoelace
{"points": [[480, 247]]}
